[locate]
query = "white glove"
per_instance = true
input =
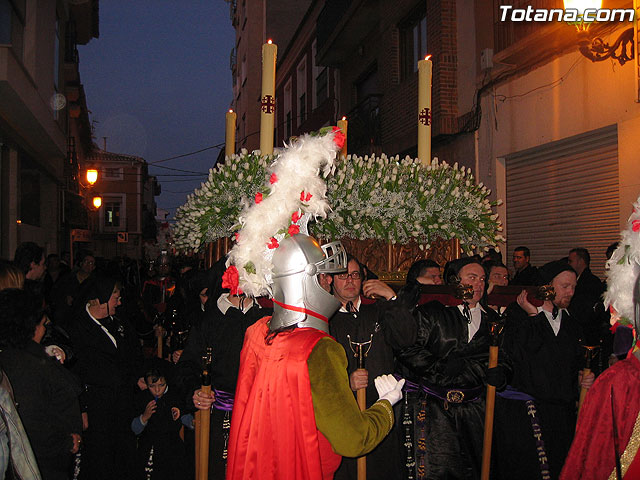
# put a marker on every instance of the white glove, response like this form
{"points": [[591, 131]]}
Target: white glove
{"points": [[389, 388]]}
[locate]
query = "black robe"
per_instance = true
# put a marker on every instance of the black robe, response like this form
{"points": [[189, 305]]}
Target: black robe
{"points": [[109, 375], [225, 335], [453, 433], [546, 368], [393, 328], [586, 307], [162, 433]]}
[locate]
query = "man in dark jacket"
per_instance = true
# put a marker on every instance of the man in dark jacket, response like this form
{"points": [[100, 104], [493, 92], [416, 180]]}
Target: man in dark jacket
{"points": [[388, 325], [586, 305], [525, 273], [535, 415], [447, 372]]}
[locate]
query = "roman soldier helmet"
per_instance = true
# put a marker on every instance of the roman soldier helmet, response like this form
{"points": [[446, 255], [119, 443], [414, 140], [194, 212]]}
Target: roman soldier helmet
{"points": [[273, 254], [298, 297]]}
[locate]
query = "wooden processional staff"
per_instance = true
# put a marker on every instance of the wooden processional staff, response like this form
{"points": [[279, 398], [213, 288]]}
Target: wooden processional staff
{"points": [[203, 418], [360, 351], [495, 328], [590, 352]]}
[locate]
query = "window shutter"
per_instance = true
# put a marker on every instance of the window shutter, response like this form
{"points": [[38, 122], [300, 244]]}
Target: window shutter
{"points": [[564, 194]]}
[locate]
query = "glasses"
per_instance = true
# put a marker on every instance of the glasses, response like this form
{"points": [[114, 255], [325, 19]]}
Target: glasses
{"points": [[353, 276]]}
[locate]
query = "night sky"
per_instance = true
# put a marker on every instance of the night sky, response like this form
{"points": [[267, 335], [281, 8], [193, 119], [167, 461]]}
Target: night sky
{"points": [[158, 84]]}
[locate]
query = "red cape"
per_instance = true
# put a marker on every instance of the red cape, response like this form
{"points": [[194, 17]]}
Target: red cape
{"points": [[592, 453], [273, 427]]}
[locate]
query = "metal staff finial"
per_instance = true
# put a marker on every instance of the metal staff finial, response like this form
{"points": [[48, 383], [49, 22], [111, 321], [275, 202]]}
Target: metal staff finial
{"points": [[358, 349]]}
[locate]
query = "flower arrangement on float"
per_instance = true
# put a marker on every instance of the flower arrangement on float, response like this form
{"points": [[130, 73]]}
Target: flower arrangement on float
{"points": [[212, 210], [396, 200], [382, 198]]}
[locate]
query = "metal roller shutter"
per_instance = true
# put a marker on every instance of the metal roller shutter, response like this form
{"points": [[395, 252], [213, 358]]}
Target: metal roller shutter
{"points": [[563, 195]]}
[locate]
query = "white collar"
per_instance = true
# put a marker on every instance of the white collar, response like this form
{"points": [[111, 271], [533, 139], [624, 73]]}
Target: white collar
{"points": [[104, 329], [224, 304]]}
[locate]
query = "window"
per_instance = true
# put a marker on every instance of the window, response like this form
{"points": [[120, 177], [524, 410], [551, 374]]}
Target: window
{"points": [[29, 192], [322, 85], [320, 80], [506, 34], [12, 22], [112, 173], [56, 56], [413, 37], [301, 90], [112, 214], [243, 70], [287, 111], [56, 68]]}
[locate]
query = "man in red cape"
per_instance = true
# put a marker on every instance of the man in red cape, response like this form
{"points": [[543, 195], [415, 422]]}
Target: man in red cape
{"points": [[592, 454], [608, 433], [294, 414]]}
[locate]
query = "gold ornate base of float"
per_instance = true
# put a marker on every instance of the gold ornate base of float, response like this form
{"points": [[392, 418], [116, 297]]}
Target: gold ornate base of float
{"points": [[390, 262]]}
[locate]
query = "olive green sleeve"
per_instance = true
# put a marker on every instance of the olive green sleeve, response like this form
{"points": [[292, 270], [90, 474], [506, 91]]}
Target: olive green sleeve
{"points": [[352, 433]]}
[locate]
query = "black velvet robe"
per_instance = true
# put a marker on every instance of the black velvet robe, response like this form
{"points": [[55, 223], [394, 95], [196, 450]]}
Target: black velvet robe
{"points": [[454, 435], [393, 328], [109, 374], [546, 368], [225, 335]]}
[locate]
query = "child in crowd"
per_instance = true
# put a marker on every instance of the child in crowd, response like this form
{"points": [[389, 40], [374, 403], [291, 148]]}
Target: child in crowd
{"points": [[161, 453]]}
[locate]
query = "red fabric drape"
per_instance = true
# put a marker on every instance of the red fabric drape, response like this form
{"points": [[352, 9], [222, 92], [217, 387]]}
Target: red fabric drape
{"points": [[592, 454], [273, 429]]}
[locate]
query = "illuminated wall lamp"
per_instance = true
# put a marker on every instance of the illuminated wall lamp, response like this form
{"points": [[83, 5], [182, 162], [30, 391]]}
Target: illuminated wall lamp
{"points": [[92, 176], [97, 202], [596, 49]]}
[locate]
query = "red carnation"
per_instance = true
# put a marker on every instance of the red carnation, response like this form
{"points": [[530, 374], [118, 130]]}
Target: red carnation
{"points": [[273, 178], [635, 225], [294, 229], [295, 216], [258, 197], [338, 137], [237, 236], [274, 243], [230, 280]]}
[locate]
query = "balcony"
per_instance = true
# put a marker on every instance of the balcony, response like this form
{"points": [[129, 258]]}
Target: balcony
{"points": [[342, 26], [365, 134]]}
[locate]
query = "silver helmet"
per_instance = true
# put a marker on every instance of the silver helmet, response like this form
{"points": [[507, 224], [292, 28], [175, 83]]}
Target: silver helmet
{"points": [[298, 297]]}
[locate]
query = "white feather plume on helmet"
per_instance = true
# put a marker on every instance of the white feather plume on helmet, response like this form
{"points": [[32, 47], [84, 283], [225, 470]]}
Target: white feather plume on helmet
{"points": [[624, 269], [296, 191]]}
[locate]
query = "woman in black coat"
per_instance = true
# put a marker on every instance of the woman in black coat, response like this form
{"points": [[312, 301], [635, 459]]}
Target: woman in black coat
{"points": [[46, 393], [108, 360]]}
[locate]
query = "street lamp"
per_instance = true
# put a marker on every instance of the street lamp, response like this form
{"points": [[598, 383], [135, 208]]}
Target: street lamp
{"points": [[97, 202], [92, 176], [596, 49]]}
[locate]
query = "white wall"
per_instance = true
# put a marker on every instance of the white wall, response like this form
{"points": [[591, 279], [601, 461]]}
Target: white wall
{"points": [[572, 95]]}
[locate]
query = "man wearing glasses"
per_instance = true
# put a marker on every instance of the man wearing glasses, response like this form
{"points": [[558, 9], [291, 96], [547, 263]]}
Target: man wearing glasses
{"points": [[388, 325]]}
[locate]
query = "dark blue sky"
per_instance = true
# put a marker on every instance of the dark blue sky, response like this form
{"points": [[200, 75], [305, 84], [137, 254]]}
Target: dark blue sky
{"points": [[158, 85]]}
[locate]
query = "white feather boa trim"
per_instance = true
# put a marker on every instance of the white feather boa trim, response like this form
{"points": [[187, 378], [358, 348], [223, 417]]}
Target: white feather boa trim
{"points": [[624, 268], [297, 169]]}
